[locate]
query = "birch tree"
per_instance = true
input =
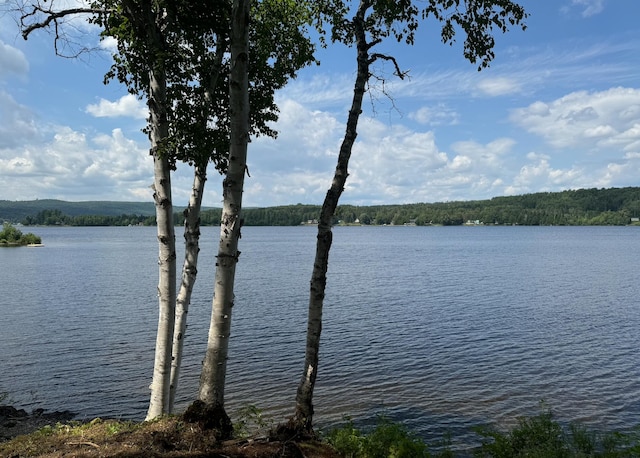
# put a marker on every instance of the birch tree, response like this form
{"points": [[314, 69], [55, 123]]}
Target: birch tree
{"points": [[374, 21], [199, 140], [155, 60], [146, 49], [145, 56], [184, 67], [214, 366], [279, 48]]}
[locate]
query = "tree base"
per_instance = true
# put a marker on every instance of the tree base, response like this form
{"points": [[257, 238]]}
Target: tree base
{"points": [[292, 430], [210, 417]]}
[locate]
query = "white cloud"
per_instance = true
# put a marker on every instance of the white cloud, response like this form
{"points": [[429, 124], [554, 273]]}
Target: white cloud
{"points": [[109, 44], [461, 163], [320, 90], [498, 86], [307, 140], [12, 61], [436, 85], [435, 116], [72, 165], [392, 163], [126, 106], [594, 134], [491, 150], [17, 122], [623, 172], [538, 175], [589, 7], [585, 119], [77, 22]]}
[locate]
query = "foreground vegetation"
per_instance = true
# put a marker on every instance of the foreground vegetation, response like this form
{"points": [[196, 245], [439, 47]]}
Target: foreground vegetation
{"points": [[539, 436], [542, 436], [10, 236], [613, 206]]}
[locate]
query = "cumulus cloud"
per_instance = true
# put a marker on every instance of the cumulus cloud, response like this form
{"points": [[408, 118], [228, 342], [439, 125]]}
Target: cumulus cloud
{"points": [[622, 172], [125, 106], [109, 44], [71, 164], [307, 140], [538, 175], [603, 119], [12, 61], [391, 162]]}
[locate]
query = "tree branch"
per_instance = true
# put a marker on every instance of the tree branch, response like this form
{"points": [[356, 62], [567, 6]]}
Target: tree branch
{"points": [[52, 16], [400, 74]]}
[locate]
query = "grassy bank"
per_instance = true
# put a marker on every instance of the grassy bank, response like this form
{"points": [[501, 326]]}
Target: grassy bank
{"points": [[540, 436]]}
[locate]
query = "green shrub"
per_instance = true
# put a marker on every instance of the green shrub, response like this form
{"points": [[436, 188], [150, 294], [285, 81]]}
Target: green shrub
{"points": [[387, 440], [12, 236], [347, 440], [543, 437], [30, 239]]}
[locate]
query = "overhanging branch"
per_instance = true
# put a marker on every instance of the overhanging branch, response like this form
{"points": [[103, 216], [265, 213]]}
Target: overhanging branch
{"points": [[51, 16]]}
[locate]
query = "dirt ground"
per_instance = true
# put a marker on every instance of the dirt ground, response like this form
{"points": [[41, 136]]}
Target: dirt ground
{"points": [[55, 435]]}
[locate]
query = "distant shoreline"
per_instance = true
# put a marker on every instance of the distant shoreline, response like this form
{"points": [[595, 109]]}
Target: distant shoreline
{"points": [[582, 207]]}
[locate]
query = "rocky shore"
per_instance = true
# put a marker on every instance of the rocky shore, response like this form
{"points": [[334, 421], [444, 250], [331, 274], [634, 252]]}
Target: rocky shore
{"points": [[15, 422]]}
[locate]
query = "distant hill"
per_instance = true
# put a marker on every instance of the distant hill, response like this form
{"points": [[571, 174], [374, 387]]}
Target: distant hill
{"points": [[19, 210], [611, 206]]}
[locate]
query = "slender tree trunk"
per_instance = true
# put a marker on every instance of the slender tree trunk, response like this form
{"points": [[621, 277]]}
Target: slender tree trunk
{"points": [[303, 418], [189, 274], [152, 23], [159, 403], [212, 379], [192, 230]]}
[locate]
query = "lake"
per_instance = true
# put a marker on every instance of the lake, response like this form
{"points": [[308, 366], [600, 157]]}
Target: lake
{"points": [[443, 328]]}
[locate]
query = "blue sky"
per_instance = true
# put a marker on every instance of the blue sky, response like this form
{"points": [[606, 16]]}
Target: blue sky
{"points": [[559, 108]]}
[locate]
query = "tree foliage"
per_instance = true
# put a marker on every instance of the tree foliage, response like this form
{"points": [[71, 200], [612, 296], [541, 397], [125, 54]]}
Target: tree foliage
{"points": [[12, 236]]}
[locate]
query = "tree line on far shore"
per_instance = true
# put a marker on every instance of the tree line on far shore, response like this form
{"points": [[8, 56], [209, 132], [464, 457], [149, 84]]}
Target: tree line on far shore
{"points": [[583, 207]]}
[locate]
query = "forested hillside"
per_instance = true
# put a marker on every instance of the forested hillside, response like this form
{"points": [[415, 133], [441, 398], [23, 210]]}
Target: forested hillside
{"points": [[17, 211], [613, 206]]}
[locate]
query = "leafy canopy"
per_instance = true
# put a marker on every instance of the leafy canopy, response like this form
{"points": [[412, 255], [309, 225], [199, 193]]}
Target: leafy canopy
{"points": [[194, 54], [477, 19]]}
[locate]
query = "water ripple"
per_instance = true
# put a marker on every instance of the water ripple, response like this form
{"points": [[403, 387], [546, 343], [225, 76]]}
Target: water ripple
{"points": [[442, 328]]}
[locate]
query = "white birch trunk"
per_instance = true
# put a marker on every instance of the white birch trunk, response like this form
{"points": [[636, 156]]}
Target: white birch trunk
{"points": [[212, 379], [189, 274], [159, 132], [192, 234]]}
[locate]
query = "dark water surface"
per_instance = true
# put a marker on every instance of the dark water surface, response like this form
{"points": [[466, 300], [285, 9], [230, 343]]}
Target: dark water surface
{"points": [[441, 327]]}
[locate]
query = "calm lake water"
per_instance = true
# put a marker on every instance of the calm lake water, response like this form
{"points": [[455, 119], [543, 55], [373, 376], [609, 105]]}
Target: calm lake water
{"points": [[441, 327]]}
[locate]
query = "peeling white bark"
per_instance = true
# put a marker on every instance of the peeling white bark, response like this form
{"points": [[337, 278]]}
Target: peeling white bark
{"points": [[160, 385], [214, 368], [189, 274]]}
